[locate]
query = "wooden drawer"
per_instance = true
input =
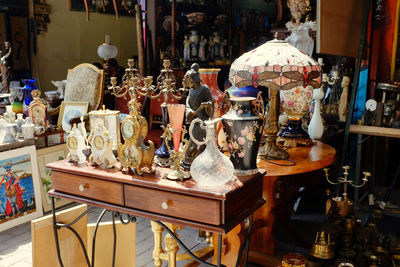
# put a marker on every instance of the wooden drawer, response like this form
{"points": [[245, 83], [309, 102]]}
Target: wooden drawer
{"points": [[183, 206], [88, 187]]}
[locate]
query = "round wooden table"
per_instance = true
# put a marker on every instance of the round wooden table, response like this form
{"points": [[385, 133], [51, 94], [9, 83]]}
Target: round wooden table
{"points": [[262, 243]]}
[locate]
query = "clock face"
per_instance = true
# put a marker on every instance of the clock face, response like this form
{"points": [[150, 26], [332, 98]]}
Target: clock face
{"points": [[371, 104], [72, 143], [38, 112], [127, 129], [99, 142]]}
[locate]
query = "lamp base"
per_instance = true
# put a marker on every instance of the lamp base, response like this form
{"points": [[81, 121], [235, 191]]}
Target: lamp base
{"points": [[294, 129], [271, 151], [294, 142]]}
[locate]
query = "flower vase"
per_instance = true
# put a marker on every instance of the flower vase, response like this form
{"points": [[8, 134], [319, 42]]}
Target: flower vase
{"points": [[176, 113], [250, 91], [162, 154], [243, 124], [295, 103], [29, 86], [209, 78]]}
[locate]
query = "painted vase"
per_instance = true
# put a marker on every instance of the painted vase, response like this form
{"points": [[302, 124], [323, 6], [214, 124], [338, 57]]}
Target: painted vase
{"points": [[295, 103], [243, 124], [162, 154], [250, 91], [29, 86]]}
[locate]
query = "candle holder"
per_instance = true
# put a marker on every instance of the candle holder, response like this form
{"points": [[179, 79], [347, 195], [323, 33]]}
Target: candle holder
{"points": [[176, 155], [123, 88], [343, 203]]}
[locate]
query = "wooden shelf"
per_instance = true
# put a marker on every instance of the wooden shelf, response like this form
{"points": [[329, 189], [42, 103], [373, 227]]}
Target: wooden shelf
{"points": [[373, 130]]}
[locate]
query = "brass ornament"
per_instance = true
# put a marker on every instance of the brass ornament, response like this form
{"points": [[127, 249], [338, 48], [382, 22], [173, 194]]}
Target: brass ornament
{"points": [[322, 247]]}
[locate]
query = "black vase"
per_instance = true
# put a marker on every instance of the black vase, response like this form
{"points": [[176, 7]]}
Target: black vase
{"points": [[243, 125]]}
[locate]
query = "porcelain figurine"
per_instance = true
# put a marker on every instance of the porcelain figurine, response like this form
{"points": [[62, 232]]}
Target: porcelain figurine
{"points": [[344, 98], [194, 44], [299, 36], [9, 132], [133, 153], [60, 87], [9, 115], [217, 44], [76, 144], [316, 127], [199, 104], [101, 144], [202, 48], [186, 48], [28, 129], [211, 48]]}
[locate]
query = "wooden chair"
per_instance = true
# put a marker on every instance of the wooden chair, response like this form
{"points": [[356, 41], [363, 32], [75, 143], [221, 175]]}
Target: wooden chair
{"points": [[85, 82]]}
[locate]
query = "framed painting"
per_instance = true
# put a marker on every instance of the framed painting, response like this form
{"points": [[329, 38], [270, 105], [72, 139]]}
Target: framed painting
{"points": [[20, 199], [44, 156], [70, 110]]}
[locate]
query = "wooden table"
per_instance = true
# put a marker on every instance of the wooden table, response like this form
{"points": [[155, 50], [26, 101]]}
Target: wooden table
{"points": [[216, 210], [308, 160]]}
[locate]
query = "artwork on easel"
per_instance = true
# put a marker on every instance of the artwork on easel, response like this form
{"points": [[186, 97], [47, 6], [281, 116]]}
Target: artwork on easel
{"points": [[20, 199], [45, 156]]}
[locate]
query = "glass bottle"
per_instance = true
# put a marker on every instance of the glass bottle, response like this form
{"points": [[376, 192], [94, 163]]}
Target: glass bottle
{"points": [[211, 167]]}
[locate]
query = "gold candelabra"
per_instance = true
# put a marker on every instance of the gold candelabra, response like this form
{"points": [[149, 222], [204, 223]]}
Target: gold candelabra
{"points": [[176, 156], [122, 89]]}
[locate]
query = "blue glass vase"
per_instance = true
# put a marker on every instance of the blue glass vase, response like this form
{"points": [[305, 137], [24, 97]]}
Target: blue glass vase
{"points": [[27, 89]]}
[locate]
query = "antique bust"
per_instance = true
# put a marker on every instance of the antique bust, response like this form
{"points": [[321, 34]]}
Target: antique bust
{"points": [[199, 104]]}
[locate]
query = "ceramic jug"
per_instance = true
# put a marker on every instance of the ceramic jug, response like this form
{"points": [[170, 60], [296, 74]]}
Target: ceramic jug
{"points": [[243, 125], [28, 129], [20, 121], [9, 116], [211, 167]]}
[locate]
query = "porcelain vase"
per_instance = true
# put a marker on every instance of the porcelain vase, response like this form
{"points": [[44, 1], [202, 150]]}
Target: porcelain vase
{"points": [[296, 102], [316, 127], [29, 86], [176, 113], [244, 124]]}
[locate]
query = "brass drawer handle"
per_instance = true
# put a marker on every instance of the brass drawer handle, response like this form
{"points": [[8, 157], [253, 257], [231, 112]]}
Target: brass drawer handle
{"points": [[82, 187], [164, 205]]}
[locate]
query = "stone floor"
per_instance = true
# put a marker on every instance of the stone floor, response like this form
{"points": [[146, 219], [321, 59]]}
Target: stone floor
{"points": [[16, 246]]}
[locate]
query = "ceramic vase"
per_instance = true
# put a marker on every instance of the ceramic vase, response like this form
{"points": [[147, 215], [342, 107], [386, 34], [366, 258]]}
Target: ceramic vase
{"points": [[296, 102], [210, 168], [243, 125], [29, 86], [316, 127], [9, 115], [20, 121], [176, 113], [250, 91]]}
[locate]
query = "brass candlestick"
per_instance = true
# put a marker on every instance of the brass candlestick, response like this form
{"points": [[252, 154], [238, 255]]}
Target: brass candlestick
{"points": [[343, 203], [176, 157], [123, 88]]}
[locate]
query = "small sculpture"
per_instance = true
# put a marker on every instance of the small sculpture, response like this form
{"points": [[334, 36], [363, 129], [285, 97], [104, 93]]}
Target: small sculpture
{"points": [[202, 48], [5, 71], [186, 48], [299, 36], [9, 115], [211, 48], [217, 44], [101, 143], [344, 98], [60, 87], [8, 131], [76, 144], [199, 104], [194, 44]]}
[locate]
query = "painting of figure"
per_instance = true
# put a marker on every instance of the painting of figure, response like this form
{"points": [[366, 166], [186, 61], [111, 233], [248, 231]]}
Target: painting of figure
{"points": [[20, 199]]}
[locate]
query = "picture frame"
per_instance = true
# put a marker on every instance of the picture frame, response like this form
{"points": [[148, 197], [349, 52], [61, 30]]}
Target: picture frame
{"points": [[69, 110], [110, 119], [45, 156], [22, 202]]}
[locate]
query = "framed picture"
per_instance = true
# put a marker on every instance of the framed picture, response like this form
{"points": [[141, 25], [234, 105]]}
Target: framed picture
{"points": [[70, 110], [20, 199], [44, 156], [110, 119]]}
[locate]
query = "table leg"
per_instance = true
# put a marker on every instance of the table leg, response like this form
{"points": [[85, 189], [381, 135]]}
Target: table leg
{"points": [[53, 210], [247, 244], [219, 250], [157, 230], [171, 246]]}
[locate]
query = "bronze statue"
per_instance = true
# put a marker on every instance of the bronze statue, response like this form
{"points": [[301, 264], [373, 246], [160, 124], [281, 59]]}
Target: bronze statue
{"points": [[5, 71], [199, 104]]}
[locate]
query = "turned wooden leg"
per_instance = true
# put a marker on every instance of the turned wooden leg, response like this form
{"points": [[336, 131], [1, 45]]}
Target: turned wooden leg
{"points": [[157, 230], [171, 246], [209, 237]]}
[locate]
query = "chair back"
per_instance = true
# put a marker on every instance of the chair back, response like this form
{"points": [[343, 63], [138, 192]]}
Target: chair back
{"points": [[85, 83]]}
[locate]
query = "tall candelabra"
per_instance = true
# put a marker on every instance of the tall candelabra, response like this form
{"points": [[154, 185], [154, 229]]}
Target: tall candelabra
{"points": [[165, 88]]}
